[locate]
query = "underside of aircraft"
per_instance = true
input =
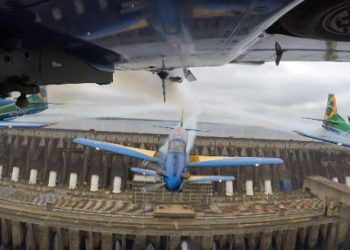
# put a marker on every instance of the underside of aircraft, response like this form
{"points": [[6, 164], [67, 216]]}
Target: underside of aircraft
{"points": [[46, 42]]}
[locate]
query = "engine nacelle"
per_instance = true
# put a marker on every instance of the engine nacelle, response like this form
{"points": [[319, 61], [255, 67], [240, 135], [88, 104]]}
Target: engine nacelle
{"points": [[23, 70]]}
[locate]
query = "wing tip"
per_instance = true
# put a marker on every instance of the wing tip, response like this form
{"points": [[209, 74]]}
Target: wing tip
{"points": [[79, 140], [269, 161], [279, 161]]}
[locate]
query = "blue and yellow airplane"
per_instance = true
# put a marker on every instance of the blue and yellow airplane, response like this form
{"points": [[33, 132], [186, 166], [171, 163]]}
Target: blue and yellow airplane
{"points": [[336, 128], [172, 165], [9, 110]]}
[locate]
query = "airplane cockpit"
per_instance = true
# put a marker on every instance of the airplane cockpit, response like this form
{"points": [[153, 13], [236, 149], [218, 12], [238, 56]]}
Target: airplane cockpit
{"points": [[177, 145]]}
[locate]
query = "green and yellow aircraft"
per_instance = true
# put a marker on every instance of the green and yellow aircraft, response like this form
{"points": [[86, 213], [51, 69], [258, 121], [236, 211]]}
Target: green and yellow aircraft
{"points": [[336, 128], [9, 110]]}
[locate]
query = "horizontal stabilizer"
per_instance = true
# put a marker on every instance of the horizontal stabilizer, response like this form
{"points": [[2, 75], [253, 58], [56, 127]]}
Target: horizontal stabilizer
{"points": [[232, 162], [203, 178], [22, 124], [144, 171], [161, 126], [197, 130], [187, 129], [321, 120], [337, 141], [141, 154]]}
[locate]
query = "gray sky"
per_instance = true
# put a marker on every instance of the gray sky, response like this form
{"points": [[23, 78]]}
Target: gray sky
{"points": [[263, 95]]}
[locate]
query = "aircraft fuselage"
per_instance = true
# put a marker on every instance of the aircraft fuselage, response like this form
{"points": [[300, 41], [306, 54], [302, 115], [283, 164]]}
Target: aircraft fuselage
{"points": [[175, 160], [133, 35]]}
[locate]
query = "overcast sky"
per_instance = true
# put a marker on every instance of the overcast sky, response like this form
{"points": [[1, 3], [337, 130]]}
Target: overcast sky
{"points": [[263, 95]]}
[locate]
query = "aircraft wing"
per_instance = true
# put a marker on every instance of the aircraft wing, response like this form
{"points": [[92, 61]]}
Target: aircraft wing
{"points": [[22, 124], [128, 25], [137, 153], [210, 178], [94, 38], [294, 49], [217, 161], [339, 141], [144, 171]]}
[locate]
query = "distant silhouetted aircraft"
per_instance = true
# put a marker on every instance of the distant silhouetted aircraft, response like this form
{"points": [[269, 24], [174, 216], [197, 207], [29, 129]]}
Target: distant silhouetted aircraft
{"points": [[336, 128], [172, 165]]}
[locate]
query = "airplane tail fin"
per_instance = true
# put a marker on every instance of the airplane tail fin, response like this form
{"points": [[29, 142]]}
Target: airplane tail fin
{"points": [[331, 108], [331, 117]]}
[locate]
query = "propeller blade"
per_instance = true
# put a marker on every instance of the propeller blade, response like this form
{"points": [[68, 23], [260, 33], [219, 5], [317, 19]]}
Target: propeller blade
{"points": [[189, 75], [279, 52], [151, 187], [164, 89]]}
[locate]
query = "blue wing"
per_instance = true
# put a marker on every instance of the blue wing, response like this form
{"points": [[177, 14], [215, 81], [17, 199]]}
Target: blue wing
{"points": [[144, 171], [141, 154], [216, 178], [334, 140], [22, 124], [214, 161]]}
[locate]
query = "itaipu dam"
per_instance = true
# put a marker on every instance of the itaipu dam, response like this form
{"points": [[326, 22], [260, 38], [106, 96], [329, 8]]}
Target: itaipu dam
{"points": [[58, 195]]}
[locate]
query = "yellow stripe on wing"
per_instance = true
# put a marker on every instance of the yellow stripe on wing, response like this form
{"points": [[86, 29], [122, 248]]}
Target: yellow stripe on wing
{"points": [[197, 177], [143, 151], [199, 158]]}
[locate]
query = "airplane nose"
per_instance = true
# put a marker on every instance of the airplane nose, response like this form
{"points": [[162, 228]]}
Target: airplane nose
{"points": [[173, 184], [170, 184]]}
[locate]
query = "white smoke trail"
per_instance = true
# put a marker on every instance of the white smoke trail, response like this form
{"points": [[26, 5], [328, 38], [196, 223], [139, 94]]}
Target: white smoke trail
{"points": [[179, 97], [191, 108], [134, 94], [183, 97]]}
